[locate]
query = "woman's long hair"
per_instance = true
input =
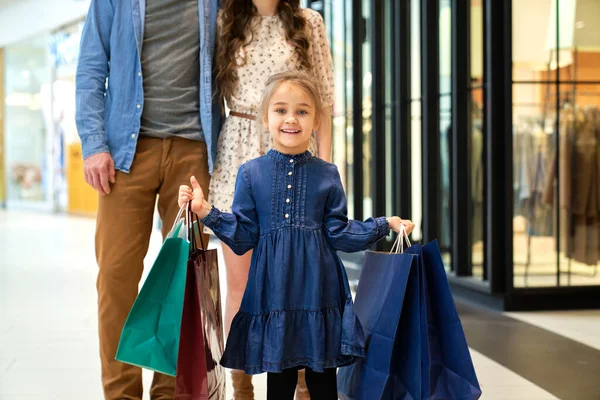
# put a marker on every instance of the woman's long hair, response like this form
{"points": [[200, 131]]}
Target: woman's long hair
{"points": [[236, 32]]}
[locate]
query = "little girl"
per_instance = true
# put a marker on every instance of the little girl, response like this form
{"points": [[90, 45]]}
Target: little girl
{"points": [[290, 207]]}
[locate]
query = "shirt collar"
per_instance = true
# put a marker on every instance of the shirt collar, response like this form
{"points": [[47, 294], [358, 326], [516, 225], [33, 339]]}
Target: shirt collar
{"points": [[290, 158]]}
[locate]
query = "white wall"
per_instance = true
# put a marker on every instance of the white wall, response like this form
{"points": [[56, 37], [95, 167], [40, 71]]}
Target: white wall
{"points": [[26, 18]]}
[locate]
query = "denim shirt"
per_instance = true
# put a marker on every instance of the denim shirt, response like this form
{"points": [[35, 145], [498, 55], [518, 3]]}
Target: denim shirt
{"points": [[108, 113]]}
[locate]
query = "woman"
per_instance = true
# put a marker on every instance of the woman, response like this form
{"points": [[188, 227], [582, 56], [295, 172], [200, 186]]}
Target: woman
{"points": [[257, 39]]}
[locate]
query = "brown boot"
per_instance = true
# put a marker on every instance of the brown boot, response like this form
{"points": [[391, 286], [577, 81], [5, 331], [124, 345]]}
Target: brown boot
{"points": [[242, 386], [301, 389]]}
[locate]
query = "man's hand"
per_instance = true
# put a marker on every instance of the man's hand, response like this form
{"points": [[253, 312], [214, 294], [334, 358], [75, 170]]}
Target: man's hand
{"points": [[99, 171]]}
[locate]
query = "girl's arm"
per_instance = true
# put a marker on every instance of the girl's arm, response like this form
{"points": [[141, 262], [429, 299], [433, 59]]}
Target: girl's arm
{"points": [[344, 234], [240, 229]]}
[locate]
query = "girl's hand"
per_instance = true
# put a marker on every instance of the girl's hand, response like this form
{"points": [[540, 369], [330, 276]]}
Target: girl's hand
{"points": [[396, 223], [195, 196]]}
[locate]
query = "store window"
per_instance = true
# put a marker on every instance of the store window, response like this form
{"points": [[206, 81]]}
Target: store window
{"points": [[556, 142], [69, 188], [367, 107], [390, 154], [477, 160], [416, 120], [445, 85], [338, 23], [27, 128]]}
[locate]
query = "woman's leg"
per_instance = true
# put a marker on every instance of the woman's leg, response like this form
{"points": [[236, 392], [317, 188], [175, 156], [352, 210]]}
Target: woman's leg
{"points": [[322, 385], [236, 268], [281, 386]]}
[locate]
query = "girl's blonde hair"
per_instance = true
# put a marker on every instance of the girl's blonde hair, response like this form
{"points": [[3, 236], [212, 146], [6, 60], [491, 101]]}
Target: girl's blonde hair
{"points": [[299, 79]]}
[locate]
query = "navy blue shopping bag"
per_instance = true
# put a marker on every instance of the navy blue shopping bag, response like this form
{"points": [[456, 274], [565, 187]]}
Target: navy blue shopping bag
{"points": [[385, 282], [416, 348], [452, 375]]}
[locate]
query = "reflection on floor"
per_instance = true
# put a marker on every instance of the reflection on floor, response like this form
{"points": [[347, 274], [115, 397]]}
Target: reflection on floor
{"points": [[537, 265]]}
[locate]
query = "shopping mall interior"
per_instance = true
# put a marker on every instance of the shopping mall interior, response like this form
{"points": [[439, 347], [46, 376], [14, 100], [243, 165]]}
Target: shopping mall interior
{"points": [[477, 119]]}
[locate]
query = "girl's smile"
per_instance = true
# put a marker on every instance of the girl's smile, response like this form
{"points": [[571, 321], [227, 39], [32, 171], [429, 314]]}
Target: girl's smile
{"points": [[291, 118]]}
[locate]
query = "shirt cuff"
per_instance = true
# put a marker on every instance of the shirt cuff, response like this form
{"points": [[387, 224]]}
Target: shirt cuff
{"points": [[211, 218], [383, 227], [93, 144]]}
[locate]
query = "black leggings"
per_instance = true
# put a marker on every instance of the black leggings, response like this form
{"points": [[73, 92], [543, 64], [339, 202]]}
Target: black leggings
{"points": [[321, 385]]}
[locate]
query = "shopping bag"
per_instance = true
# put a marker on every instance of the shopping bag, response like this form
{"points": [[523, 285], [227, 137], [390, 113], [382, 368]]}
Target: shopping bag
{"points": [[150, 336], [199, 375], [416, 348], [388, 283], [451, 371]]}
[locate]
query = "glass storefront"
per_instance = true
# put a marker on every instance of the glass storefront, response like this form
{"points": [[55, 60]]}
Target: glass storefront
{"points": [[416, 180], [39, 123], [445, 107], [28, 129], [338, 20], [477, 161], [518, 164], [68, 186], [556, 143]]}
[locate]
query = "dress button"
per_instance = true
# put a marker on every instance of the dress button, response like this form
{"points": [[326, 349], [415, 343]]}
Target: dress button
{"points": [[289, 186], [287, 216], [287, 200], [290, 173]]}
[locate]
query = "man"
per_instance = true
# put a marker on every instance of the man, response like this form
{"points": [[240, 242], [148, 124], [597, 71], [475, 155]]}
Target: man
{"points": [[147, 122]]}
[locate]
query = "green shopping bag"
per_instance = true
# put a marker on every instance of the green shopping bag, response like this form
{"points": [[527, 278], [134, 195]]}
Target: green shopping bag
{"points": [[150, 336]]}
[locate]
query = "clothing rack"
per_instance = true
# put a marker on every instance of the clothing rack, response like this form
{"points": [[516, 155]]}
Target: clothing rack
{"points": [[569, 262]]}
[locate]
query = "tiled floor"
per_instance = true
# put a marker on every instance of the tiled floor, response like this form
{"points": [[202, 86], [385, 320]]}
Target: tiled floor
{"points": [[582, 326], [48, 342]]}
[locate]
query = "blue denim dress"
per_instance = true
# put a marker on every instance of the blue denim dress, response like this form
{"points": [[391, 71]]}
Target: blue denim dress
{"points": [[297, 308]]}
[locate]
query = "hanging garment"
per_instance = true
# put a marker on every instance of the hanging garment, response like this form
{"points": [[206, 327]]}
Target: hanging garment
{"points": [[578, 165]]}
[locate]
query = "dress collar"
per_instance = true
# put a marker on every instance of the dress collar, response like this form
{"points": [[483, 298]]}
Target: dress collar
{"points": [[290, 158]]}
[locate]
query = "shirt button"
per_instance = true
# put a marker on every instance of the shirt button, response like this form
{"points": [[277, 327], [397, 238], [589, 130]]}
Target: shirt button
{"points": [[287, 216], [133, 135], [289, 186], [287, 200], [292, 161], [140, 73], [139, 106], [290, 173]]}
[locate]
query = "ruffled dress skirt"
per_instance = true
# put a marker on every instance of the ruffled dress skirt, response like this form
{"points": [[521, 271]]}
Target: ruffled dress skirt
{"points": [[297, 309]]}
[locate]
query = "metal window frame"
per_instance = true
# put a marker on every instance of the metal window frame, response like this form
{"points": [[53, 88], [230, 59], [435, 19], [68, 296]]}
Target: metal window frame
{"points": [[378, 132], [358, 36], [430, 111], [498, 187], [461, 138], [401, 98]]}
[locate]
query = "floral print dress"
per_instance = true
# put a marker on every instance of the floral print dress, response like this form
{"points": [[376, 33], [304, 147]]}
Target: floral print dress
{"points": [[269, 53]]}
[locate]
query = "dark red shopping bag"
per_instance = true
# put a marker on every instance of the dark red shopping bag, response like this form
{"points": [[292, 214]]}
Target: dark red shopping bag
{"points": [[199, 375]]}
